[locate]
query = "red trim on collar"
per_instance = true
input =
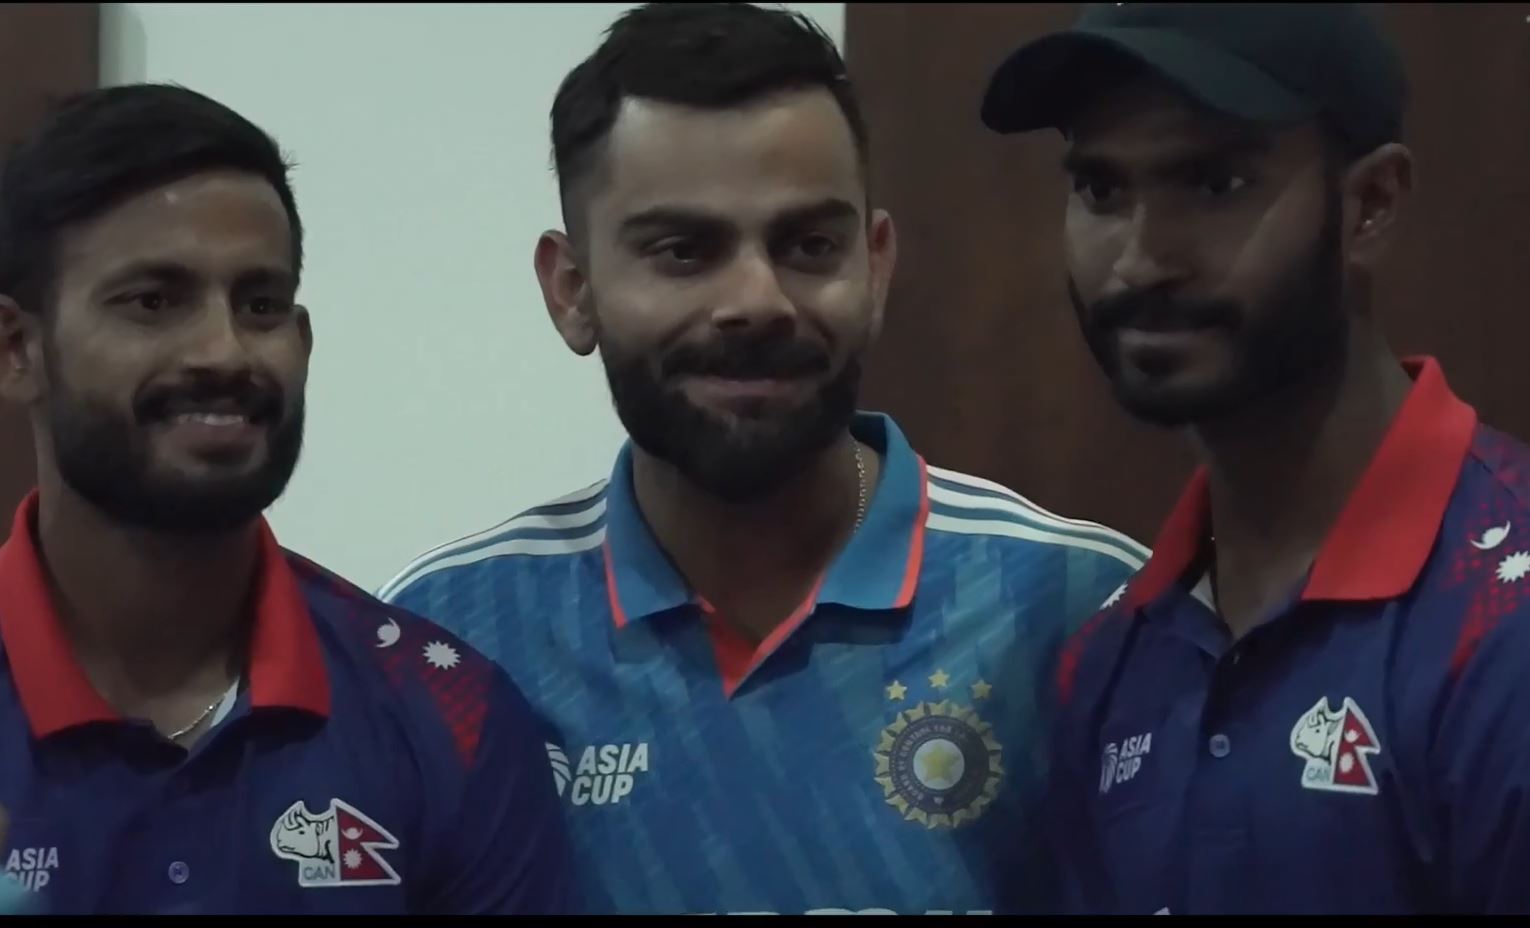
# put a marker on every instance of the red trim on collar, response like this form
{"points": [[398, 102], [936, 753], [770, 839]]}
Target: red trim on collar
{"points": [[915, 562], [618, 614], [1177, 543], [286, 658], [55, 693], [736, 658], [1383, 536]]}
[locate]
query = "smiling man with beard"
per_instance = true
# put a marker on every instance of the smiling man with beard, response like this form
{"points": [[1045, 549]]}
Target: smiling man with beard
{"points": [[1312, 698], [194, 720], [791, 668]]}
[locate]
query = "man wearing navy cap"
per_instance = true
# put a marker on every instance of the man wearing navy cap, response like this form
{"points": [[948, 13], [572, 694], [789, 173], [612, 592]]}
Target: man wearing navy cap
{"points": [[1311, 698], [193, 720]]}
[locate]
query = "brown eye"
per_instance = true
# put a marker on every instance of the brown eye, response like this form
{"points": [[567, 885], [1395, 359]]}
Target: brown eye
{"points": [[1220, 183], [268, 306], [817, 246], [1094, 191]]}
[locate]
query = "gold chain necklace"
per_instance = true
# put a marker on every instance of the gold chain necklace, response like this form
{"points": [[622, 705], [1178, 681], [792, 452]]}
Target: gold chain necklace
{"points": [[177, 735], [860, 472]]}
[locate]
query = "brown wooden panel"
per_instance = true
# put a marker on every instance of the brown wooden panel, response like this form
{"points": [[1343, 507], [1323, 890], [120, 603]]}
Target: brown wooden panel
{"points": [[981, 359], [47, 50]]}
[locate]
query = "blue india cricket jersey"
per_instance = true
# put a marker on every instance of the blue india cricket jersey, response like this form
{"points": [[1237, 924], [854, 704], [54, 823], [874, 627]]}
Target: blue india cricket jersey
{"points": [[875, 753], [1364, 749]]}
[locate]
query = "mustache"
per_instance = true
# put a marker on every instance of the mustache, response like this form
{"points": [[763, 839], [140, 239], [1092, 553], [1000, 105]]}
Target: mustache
{"points": [[1159, 309], [747, 358], [241, 394]]}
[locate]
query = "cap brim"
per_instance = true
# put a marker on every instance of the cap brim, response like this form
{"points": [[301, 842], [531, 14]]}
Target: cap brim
{"points": [[1043, 83]]}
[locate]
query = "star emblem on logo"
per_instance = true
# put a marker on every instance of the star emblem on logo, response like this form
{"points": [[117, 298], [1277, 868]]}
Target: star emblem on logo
{"points": [[1514, 567], [896, 691], [1115, 597], [441, 655], [940, 679]]}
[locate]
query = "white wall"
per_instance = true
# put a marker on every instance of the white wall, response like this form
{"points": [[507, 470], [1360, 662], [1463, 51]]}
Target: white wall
{"points": [[441, 400]]}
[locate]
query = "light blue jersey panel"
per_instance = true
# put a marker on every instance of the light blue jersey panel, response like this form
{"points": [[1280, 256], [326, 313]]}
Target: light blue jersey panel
{"points": [[885, 757]]}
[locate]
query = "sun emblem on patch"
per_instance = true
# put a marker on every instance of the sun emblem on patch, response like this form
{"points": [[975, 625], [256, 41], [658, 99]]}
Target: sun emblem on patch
{"points": [[1514, 567], [441, 655], [1114, 597], [938, 764]]}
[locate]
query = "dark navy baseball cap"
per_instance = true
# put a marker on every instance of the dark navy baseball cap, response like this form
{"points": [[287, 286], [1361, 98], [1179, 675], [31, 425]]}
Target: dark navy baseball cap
{"points": [[1275, 64]]}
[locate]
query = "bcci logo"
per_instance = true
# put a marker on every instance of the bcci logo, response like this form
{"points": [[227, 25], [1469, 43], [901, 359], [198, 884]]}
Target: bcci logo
{"points": [[938, 763]]}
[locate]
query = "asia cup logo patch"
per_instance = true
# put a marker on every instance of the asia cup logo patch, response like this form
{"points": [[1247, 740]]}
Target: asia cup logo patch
{"points": [[337, 847], [937, 761], [1336, 744]]}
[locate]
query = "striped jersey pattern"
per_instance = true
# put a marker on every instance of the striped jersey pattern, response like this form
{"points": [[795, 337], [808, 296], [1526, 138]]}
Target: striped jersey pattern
{"points": [[883, 752]]}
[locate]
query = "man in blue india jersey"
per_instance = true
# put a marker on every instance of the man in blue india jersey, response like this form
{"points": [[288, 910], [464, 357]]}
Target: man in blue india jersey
{"points": [[790, 666]]}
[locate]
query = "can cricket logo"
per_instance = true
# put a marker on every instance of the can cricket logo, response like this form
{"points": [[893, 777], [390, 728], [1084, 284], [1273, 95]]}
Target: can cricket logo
{"points": [[340, 846], [1336, 745]]}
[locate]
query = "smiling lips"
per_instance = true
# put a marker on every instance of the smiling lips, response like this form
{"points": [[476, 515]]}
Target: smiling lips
{"points": [[752, 388], [214, 424], [217, 419]]}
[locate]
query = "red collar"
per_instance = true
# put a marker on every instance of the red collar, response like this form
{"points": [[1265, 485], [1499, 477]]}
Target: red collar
{"points": [[286, 661], [1387, 528]]}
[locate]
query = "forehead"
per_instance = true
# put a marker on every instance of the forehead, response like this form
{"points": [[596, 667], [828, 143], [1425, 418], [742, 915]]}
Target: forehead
{"points": [[216, 221], [1147, 121], [745, 162]]}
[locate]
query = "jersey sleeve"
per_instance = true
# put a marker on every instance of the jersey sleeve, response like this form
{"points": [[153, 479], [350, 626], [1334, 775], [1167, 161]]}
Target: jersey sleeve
{"points": [[1481, 758], [1097, 580], [508, 850], [413, 597]]}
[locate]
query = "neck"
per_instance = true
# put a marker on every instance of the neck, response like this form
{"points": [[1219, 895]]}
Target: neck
{"points": [[156, 620], [1280, 475], [756, 561]]}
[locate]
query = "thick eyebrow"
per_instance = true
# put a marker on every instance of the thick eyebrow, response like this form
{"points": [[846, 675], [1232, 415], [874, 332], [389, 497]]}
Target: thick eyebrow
{"points": [[169, 272], [277, 277], [666, 217], [831, 209], [165, 272], [1075, 162], [671, 217]]}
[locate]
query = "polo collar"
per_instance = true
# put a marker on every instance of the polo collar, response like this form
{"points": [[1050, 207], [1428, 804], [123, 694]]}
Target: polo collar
{"points": [[877, 570], [1387, 528], [286, 664]]}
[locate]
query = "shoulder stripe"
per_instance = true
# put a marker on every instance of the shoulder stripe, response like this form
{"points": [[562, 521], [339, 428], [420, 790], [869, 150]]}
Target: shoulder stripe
{"points": [[534, 547], [967, 482], [1012, 504], [1007, 528], [573, 511]]}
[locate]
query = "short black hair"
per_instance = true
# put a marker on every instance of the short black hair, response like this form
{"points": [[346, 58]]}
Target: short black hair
{"points": [[96, 149], [696, 54]]}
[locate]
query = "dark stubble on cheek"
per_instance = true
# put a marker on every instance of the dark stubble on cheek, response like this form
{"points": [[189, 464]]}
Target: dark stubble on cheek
{"points": [[1298, 331], [104, 455], [737, 459], [1303, 332]]}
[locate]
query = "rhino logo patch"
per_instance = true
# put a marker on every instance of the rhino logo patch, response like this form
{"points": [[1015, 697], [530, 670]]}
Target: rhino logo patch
{"points": [[1336, 745], [337, 847]]}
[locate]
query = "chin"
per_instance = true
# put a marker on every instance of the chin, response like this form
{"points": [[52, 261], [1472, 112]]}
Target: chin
{"points": [[1170, 406], [198, 476]]}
